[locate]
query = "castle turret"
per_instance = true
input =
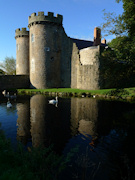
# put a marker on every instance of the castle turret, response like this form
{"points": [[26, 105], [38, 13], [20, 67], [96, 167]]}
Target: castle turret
{"points": [[22, 51], [45, 49], [97, 36]]}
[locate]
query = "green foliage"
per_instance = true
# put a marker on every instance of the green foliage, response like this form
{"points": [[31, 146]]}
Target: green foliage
{"points": [[9, 65], [129, 16], [118, 92], [117, 68], [121, 65], [1, 72], [123, 23], [113, 25], [37, 163], [79, 92]]}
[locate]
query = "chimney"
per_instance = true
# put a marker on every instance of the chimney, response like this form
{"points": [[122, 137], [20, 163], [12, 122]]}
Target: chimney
{"points": [[103, 41], [97, 36]]}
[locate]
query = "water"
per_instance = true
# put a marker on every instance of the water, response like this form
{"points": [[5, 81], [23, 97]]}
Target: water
{"points": [[100, 134]]}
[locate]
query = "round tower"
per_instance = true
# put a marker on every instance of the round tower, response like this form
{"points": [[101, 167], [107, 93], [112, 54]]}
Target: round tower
{"points": [[22, 51], [45, 49]]}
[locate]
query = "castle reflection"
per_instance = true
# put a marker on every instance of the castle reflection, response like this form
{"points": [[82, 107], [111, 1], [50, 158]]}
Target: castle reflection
{"points": [[84, 113], [47, 124], [101, 130], [38, 120], [23, 121]]}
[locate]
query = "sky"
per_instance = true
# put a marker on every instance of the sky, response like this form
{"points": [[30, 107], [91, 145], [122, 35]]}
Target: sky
{"points": [[80, 17]]}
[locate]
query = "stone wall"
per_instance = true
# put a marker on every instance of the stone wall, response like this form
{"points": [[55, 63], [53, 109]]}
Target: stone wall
{"points": [[65, 62], [14, 81], [88, 69], [85, 68], [22, 51], [52, 59], [75, 61], [45, 56], [22, 55], [46, 35]]}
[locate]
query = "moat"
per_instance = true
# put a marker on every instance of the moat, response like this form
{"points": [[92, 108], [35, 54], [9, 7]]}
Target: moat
{"points": [[101, 133]]}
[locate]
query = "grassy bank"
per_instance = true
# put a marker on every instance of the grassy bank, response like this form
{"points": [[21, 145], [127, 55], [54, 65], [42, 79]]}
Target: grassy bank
{"points": [[126, 93]]}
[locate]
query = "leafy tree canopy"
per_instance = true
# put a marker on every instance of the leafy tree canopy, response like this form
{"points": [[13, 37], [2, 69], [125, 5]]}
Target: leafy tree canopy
{"points": [[118, 61], [123, 26], [9, 65], [1, 72], [123, 23], [128, 16]]}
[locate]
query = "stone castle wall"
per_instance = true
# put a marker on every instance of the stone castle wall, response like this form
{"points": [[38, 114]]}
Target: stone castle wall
{"points": [[22, 51], [88, 69], [45, 50], [54, 59], [74, 66], [14, 81], [85, 68], [65, 62], [44, 58]]}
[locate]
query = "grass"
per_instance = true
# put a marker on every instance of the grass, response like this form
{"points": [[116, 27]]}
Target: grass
{"points": [[64, 90], [126, 93]]}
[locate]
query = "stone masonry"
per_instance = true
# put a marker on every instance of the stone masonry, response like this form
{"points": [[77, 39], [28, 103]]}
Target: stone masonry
{"points": [[52, 59]]}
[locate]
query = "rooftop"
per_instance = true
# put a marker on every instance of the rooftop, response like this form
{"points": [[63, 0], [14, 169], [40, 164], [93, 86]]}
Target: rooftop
{"points": [[81, 44]]}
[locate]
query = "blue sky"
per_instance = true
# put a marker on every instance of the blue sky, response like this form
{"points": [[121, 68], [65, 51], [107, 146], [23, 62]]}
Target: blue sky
{"points": [[80, 17]]}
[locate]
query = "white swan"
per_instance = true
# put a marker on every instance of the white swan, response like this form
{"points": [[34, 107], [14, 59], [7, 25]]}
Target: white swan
{"points": [[53, 101], [9, 105], [4, 92]]}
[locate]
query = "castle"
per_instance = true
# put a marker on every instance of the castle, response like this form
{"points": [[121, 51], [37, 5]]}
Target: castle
{"points": [[52, 59]]}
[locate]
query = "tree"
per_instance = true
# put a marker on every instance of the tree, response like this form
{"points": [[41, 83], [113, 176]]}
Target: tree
{"points": [[1, 72], [123, 27], [128, 16], [123, 23], [9, 65], [113, 25], [118, 61], [115, 72]]}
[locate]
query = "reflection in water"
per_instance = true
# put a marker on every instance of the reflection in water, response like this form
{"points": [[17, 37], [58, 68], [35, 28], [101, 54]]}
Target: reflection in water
{"points": [[23, 122], [50, 124], [84, 116], [38, 121], [98, 127]]}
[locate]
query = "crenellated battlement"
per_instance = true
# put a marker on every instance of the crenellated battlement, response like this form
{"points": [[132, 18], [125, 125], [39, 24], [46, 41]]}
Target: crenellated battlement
{"points": [[21, 32], [42, 18]]}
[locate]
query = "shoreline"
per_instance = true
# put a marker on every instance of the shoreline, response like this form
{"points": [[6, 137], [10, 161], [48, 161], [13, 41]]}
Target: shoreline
{"points": [[125, 94]]}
